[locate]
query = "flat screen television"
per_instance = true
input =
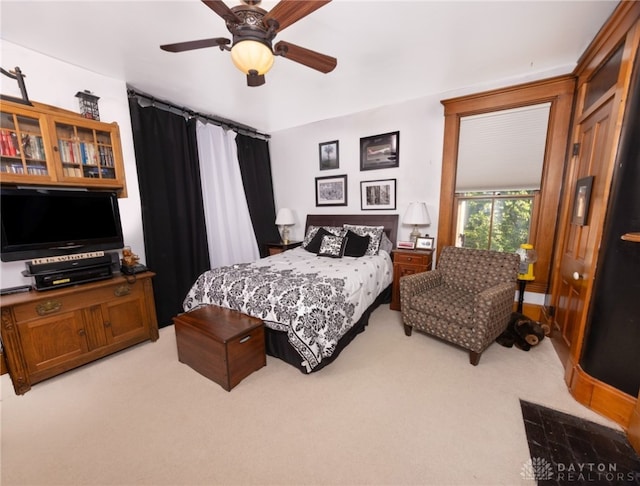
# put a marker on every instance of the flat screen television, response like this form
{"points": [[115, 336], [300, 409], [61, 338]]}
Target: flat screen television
{"points": [[38, 223]]}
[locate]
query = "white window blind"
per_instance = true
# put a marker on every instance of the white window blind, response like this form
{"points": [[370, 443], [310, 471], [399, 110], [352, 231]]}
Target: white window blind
{"points": [[502, 150]]}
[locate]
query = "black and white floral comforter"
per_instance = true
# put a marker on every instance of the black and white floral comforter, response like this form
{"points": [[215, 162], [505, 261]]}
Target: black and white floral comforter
{"points": [[315, 300]]}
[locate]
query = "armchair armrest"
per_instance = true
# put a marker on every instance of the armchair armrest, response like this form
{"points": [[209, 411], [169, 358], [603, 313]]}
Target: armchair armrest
{"points": [[493, 309], [418, 283]]}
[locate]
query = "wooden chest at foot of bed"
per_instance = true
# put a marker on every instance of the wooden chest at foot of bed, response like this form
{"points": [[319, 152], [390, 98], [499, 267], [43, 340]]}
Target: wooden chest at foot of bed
{"points": [[224, 345]]}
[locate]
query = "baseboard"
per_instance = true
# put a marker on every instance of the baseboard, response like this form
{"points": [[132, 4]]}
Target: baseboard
{"points": [[533, 311], [599, 396]]}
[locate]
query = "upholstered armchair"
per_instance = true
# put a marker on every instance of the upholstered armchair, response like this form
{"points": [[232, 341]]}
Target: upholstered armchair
{"points": [[467, 300]]}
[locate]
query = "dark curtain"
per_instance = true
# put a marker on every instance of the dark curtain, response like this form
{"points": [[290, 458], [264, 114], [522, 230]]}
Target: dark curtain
{"points": [[172, 209], [255, 167]]}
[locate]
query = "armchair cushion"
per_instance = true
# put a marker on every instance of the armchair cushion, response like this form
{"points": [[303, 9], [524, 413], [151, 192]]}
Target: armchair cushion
{"points": [[448, 303]]}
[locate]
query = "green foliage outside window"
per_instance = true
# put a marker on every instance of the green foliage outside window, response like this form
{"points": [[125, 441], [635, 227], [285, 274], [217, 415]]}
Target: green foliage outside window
{"points": [[496, 221]]}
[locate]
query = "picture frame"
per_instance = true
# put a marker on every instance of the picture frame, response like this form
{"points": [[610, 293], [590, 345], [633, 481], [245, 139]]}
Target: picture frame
{"points": [[379, 194], [329, 155], [424, 243], [581, 200], [380, 151], [406, 245], [331, 191]]}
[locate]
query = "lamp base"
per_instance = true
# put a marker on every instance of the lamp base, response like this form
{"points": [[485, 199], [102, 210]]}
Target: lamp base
{"points": [[415, 234], [285, 235]]}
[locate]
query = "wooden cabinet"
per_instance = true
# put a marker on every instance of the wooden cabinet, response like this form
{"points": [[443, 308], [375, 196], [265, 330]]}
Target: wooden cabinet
{"points": [[407, 262], [275, 248], [50, 332], [44, 145]]}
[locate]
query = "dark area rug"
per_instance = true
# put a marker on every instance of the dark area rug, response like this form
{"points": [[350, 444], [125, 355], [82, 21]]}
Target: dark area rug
{"points": [[570, 450]]}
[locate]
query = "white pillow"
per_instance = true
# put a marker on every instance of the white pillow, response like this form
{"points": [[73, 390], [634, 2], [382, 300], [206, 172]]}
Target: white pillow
{"points": [[385, 243]]}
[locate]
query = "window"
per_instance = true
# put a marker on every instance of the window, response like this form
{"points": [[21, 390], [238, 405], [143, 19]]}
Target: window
{"points": [[554, 93], [498, 221]]}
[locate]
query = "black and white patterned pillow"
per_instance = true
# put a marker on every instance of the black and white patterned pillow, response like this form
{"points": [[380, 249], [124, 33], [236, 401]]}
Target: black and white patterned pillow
{"points": [[316, 241], [312, 230], [375, 232], [332, 246]]}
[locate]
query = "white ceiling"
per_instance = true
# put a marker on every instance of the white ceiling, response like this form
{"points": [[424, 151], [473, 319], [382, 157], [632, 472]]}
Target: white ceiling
{"points": [[387, 51]]}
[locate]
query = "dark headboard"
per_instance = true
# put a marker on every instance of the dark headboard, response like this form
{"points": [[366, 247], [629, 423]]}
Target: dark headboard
{"points": [[389, 221]]}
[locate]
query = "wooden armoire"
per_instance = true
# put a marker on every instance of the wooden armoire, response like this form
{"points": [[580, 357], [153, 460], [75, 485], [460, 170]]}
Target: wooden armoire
{"points": [[594, 299]]}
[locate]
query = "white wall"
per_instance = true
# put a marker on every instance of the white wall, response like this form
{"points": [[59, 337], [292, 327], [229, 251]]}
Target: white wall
{"points": [[295, 161], [55, 83]]}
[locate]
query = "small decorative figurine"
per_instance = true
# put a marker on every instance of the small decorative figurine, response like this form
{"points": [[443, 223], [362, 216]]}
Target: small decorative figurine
{"points": [[129, 259]]}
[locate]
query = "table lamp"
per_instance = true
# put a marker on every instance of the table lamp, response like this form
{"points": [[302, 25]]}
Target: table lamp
{"points": [[417, 215], [285, 219]]}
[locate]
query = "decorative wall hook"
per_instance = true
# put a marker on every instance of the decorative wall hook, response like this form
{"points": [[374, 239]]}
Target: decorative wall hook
{"points": [[18, 76]]}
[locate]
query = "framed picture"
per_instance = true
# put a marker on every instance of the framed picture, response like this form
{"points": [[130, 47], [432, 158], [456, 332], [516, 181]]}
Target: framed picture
{"points": [[380, 151], [424, 243], [378, 194], [406, 245], [329, 155], [331, 191], [581, 201]]}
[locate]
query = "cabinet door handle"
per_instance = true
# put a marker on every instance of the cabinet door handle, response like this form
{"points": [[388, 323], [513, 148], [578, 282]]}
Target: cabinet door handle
{"points": [[122, 290], [81, 332], [245, 339], [107, 324], [48, 307]]}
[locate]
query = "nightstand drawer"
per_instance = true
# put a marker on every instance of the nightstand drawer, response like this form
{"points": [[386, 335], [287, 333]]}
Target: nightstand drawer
{"points": [[412, 258]]}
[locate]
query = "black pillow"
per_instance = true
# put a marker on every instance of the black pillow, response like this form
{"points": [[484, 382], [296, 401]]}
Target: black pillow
{"points": [[316, 241], [356, 245]]}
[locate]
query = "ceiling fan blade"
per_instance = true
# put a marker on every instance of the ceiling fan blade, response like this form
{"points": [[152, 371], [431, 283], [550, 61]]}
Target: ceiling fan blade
{"points": [[288, 12], [219, 7], [314, 60], [196, 44]]}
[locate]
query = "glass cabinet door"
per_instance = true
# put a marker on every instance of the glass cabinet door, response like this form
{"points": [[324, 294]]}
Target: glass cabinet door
{"points": [[85, 152], [21, 146]]}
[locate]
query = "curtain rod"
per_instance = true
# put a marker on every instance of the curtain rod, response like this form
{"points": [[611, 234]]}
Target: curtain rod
{"points": [[187, 112]]}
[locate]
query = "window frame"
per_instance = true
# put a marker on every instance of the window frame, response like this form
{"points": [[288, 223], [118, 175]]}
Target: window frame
{"points": [[559, 91], [535, 205]]}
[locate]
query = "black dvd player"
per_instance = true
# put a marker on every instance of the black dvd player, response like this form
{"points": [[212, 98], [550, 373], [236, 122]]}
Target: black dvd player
{"points": [[65, 278]]}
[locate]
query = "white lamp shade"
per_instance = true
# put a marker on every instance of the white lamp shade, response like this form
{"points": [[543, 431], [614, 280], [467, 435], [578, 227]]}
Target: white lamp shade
{"points": [[417, 214], [250, 55], [285, 217]]}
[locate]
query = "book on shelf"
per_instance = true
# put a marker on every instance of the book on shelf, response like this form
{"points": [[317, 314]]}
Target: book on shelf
{"points": [[8, 144], [13, 168]]}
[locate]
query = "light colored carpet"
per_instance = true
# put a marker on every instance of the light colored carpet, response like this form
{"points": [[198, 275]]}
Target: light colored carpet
{"points": [[390, 410]]}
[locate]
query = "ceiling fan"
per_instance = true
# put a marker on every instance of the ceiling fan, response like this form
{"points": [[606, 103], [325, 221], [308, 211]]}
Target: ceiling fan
{"points": [[253, 30]]}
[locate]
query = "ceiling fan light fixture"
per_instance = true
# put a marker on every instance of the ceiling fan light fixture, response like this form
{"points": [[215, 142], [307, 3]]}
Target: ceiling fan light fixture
{"points": [[252, 55]]}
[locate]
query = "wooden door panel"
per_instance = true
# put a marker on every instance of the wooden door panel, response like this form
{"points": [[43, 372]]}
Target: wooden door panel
{"points": [[126, 319], [580, 246], [52, 341]]}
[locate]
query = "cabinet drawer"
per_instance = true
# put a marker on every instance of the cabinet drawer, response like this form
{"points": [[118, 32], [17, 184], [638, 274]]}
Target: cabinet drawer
{"points": [[51, 304], [413, 259], [43, 307]]}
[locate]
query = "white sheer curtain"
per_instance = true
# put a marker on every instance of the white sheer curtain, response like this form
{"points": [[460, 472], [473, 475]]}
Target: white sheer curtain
{"points": [[229, 230]]}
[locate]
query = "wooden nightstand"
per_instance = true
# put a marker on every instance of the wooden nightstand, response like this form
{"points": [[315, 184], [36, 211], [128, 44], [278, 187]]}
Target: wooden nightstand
{"points": [[407, 262], [278, 247]]}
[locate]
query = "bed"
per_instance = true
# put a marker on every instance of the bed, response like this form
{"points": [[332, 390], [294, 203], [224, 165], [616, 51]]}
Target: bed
{"points": [[312, 306]]}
